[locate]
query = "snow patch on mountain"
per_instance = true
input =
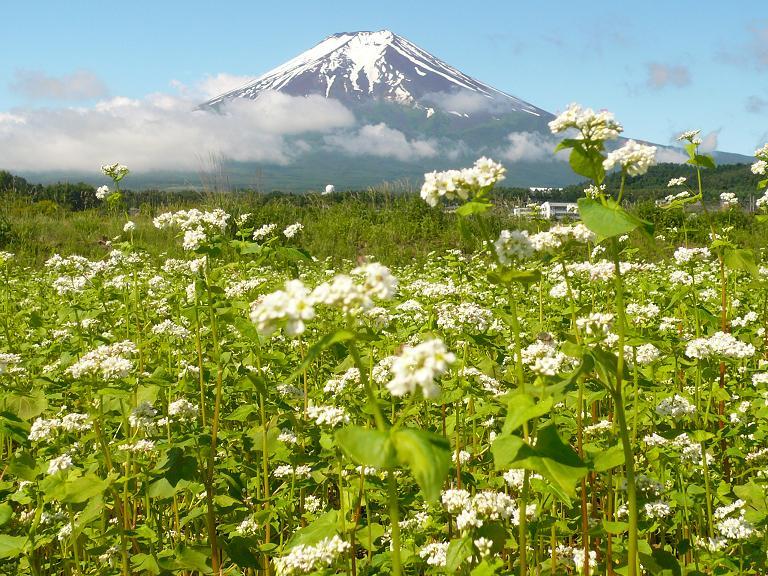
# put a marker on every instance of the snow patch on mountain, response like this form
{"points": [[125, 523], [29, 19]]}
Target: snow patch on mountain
{"points": [[357, 67]]}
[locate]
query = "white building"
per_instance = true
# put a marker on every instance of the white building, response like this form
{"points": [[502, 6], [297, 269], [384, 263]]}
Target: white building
{"points": [[558, 210]]}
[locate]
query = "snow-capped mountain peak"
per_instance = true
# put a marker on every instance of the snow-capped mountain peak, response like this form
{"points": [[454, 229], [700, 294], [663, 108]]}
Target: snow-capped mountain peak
{"points": [[363, 66]]}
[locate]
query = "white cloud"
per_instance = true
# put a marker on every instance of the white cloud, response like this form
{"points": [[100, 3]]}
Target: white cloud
{"points": [[37, 85], [462, 101], [212, 85], [163, 132], [381, 140], [663, 75], [529, 147], [671, 155], [709, 142]]}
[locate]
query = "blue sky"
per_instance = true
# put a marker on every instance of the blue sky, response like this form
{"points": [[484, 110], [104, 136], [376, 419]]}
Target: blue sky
{"points": [[660, 67]]}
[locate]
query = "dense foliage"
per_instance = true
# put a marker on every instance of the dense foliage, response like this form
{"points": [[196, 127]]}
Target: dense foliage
{"points": [[545, 403]]}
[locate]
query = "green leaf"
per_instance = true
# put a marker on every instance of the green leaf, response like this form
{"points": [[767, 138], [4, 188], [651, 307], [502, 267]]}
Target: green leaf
{"points": [[145, 563], [610, 458], [486, 569], [189, 558], [703, 161], [741, 259], [11, 546], [367, 447], [428, 457], [609, 219], [588, 162], [316, 349], [457, 553], [27, 406], [324, 526], [660, 563], [506, 277], [14, 427], [762, 184], [367, 535], [6, 512], [552, 458], [523, 407], [469, 208]]}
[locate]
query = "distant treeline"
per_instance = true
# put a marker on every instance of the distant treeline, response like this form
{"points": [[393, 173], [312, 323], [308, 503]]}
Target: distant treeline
{"points": [[79, 196]]}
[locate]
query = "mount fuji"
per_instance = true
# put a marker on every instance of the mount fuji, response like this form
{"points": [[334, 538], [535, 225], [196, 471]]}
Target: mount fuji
{"points": [[358, 67], [412, 113]]}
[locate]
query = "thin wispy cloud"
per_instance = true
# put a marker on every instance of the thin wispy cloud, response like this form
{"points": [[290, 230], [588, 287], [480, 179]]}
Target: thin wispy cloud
{"points": [[37, 85], [756, 104], [660, 75]]}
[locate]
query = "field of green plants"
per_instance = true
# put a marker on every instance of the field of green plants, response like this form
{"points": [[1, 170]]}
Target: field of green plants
{"points": [[525, 402]]}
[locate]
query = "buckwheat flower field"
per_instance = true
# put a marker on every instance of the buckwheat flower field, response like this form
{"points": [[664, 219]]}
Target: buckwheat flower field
{"points": [[550, 404]]}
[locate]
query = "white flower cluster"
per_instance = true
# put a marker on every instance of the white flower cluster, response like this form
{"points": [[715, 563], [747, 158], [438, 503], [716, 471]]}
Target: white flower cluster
{"points": [[198, 226], [378, 280], [102, 192], [559, 235], [590, 124], [143, 416], [759, 379], [435, 553], [513, 245], [690, 136], [471, 511], [514, 477], [182, 409], [728, 200], [264, 231], [240, 288], [418, 366], [42, 429], [574, 556], [675, 407], [642, 313], [685, 255], [464, 317], [596, 324], [304, 559], [170, 328], [761, 166], [762, 202], [108, 360], [488, 383], [672, 197], [248, 527], [543, 358], [646, 354], [453, 184], [289, 308], [719, 345], [285, 470], [60, 463], [327, 415], [731, 523], [293, 229], [338, 385], [634, 158], [676, 181], [140, 446], [9, 362], [115, 171]]}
